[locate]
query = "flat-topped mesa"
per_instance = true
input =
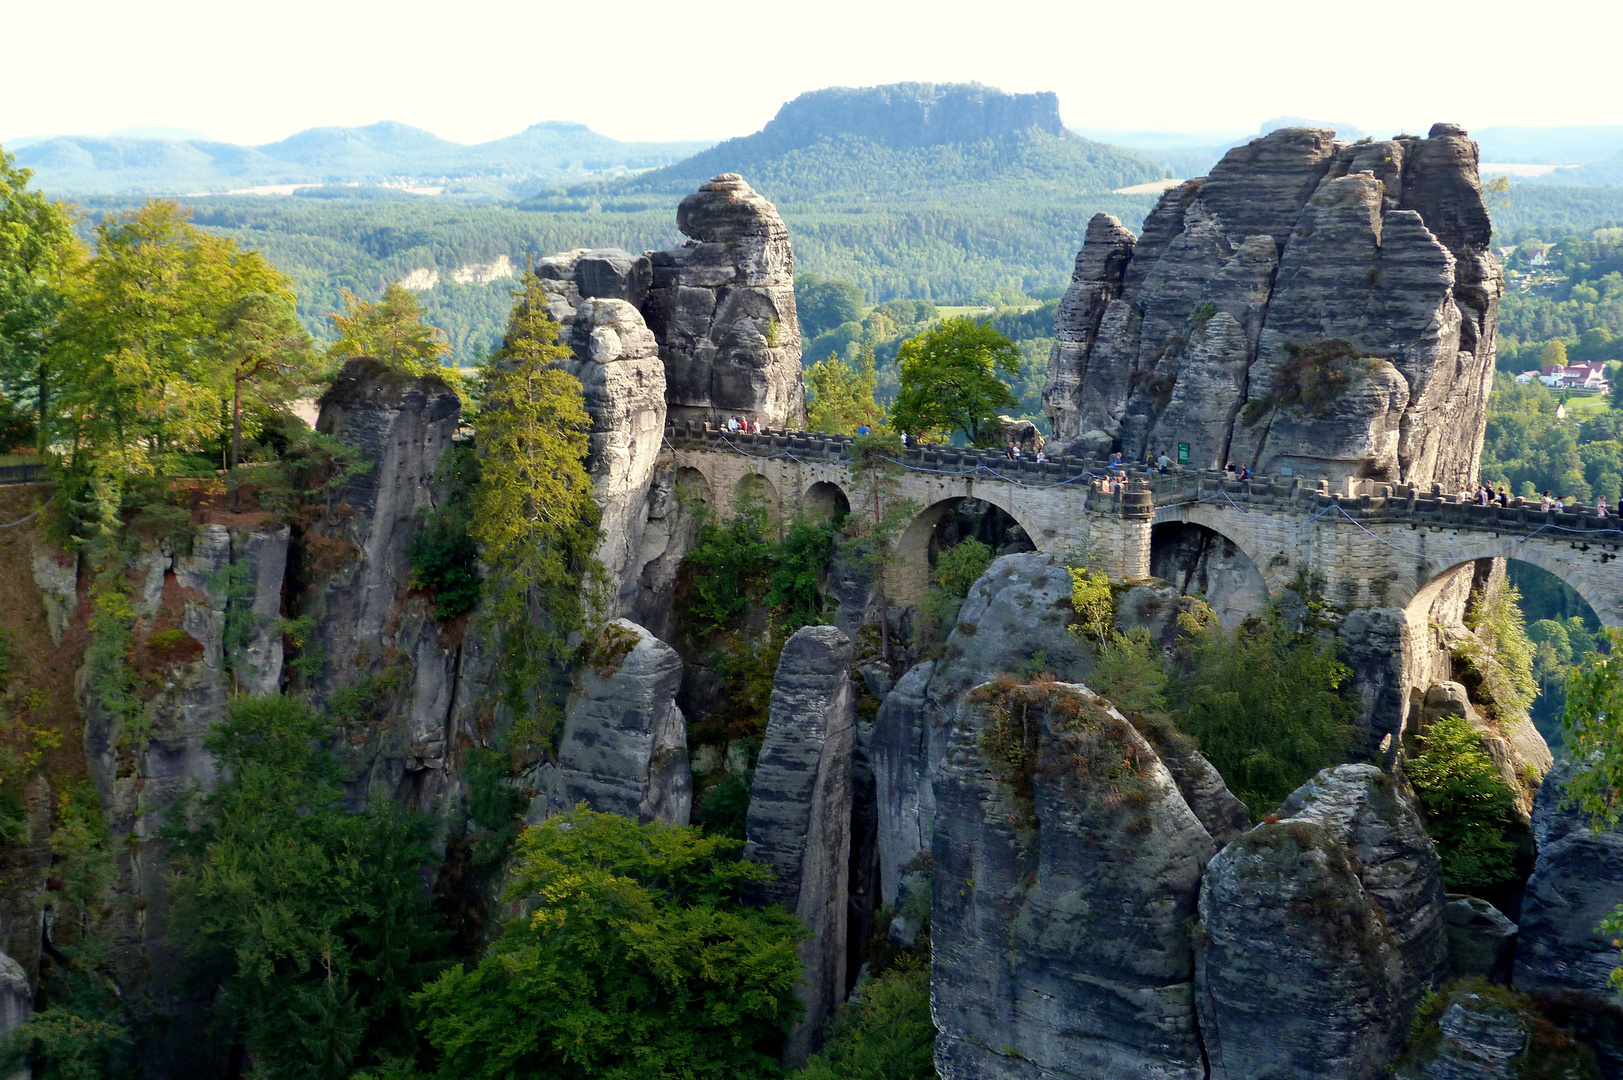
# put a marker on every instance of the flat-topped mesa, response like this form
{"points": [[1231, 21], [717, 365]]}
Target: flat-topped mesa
{"points": [[723, 309], [1312, 306]]}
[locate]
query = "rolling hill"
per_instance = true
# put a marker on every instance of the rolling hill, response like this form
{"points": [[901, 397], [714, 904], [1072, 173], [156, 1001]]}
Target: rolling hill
{"points": [[543, 154]]}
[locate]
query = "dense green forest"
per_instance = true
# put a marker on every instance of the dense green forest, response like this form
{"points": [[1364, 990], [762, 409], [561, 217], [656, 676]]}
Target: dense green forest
{"points": [[1566, 288]]}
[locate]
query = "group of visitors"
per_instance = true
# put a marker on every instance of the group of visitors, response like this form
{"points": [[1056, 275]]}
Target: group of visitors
{"points": [[1014, 453], [1239, 472], [744, 424], [1490, 495]]}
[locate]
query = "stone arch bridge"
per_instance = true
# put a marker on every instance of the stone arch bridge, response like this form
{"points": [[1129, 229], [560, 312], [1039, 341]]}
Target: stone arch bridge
{"points": [[1366, 545]]}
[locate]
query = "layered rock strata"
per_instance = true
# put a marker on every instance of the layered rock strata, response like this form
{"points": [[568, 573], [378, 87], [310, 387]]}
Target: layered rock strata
{"points": [[1320, 930], [1066, 870], [596, 296], [624, 746], [1577, 882], [1018, 609], [378, 636], [1312, 306], [723, 309], [799, 820]]}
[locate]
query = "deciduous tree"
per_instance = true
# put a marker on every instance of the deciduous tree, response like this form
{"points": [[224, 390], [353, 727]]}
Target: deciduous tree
{"points": [[953, 378]]}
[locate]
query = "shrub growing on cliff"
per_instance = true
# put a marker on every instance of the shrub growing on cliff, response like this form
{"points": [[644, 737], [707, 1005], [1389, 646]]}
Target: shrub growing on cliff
{"points": [[1497, 657], [635, 958], [885, 1034], [957, 570], [1267, 706], [444, 553], [1469, 808]]}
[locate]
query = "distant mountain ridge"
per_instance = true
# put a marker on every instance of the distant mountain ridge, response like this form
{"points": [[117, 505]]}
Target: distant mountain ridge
{"points": [[912, 140], [546, 153]]}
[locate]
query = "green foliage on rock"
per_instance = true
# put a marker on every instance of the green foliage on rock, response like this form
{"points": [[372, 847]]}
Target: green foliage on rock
{"points": [[883, 1033], [634, 957], [1549, 1054], [392, 330], [313, 919], [957, 569], [1266, 704], [1469, 809], [953, 381], [444, 551], [1495, 660]]}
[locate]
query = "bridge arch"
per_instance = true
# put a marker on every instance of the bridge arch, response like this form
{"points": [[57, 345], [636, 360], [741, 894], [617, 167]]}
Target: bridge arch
{"points": [[1268, 548], [825, 500], [910, 580], [1204, 561], [754, 487], [1605, 599]]}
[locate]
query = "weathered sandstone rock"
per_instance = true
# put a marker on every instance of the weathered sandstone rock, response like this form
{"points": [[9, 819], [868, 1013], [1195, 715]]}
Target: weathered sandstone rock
{"points": [[624, 745], [617, 363], [799, 819], [1096, 281], [1320, 930], [401, 425], [1577, 882], [1480, 1039], [1479, 939], [1066, 871], [723, 309], [16, 996], [1017, 609], [1309, 305]]}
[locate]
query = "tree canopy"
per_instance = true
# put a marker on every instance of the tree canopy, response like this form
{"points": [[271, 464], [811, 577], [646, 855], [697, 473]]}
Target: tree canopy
{"points": [[635, 958], [952, 380]]}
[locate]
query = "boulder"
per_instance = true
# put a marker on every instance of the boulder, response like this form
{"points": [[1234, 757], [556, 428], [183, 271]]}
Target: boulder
{"points": [[1479, 939], [1577, 882], [1018, 608], [722, 307], [799, 820], [1309, 305], [1066, 871], [606, 273], [1320, 930], [624, 744], [1479, 1038]]}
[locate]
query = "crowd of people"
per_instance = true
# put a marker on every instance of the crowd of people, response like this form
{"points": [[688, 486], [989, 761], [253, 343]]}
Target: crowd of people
{"points": [[1489, 495]]}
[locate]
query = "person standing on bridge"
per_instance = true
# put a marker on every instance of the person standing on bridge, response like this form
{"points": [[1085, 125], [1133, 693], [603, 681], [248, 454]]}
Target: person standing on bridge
{"points": [[1600, 507]]}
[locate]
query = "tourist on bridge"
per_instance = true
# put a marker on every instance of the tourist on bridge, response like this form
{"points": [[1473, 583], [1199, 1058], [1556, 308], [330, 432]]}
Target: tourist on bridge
{"points": [[1546, 504], [1600, 507], [1164, 462]]}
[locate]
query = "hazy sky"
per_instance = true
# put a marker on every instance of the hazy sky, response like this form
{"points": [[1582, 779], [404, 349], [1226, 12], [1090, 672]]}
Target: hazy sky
{"points": [[479, 69]]}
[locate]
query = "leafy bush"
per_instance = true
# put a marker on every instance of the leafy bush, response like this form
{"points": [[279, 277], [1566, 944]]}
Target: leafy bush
{"points": [[1496, 659], [444, 552], [1550, 1054], [1469, 809], [313, 919], [884, 1033], [957, 570], [725, 805], [635, 957], [1266, 705]]}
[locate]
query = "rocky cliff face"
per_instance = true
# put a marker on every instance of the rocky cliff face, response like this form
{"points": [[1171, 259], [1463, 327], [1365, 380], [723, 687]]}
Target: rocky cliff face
{"points": [[1017, 609], [1576, 883], [723, 309], [1309, 305], [799, 819], [624, 747], [356, 571], [1066, 871], [1320, 930]]}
